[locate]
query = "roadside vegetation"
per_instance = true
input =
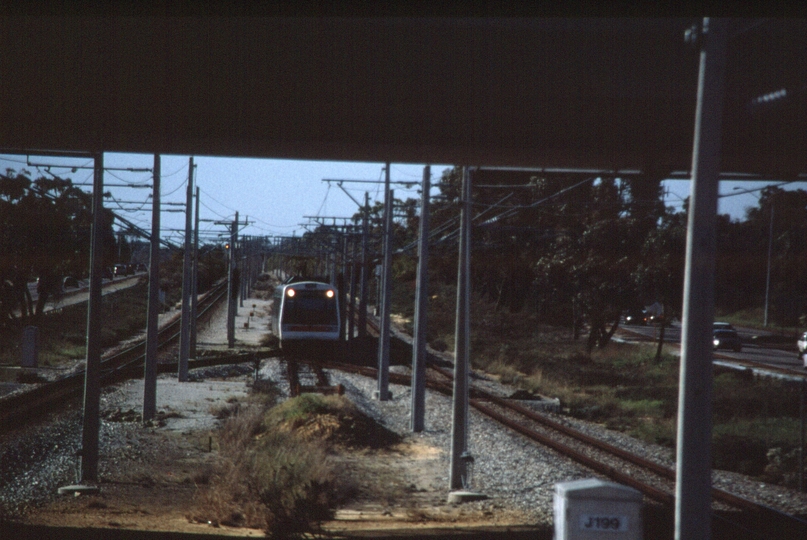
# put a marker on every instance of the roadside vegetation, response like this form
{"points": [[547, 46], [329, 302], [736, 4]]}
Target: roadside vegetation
{"points": [[626, 387], [273, 470], [62, 332]]}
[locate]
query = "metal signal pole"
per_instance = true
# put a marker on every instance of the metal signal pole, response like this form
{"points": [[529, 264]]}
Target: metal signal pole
{"points": [[421, 305], [150, 375], [195, 277], [354, 269], [694, 465], [232, 293], [185, 325], [382, 394], [92, 385], [459, 423], [365, 271]]}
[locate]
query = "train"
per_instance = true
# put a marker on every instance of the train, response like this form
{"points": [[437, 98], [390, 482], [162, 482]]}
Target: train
{"points": [[304, 314]]}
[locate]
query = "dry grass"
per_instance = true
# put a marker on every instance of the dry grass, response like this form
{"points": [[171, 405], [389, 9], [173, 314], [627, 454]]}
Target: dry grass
{"points": [[273, 471]]}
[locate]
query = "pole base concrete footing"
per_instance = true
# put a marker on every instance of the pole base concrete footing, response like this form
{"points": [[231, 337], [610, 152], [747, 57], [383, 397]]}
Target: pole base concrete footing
{"points": [[79, 489], [461, 496]]}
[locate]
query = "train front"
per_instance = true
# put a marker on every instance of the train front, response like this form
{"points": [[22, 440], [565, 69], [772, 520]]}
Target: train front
{"points": [[308, 315]]}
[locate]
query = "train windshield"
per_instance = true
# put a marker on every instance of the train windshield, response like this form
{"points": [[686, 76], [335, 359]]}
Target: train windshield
{"points": [[310, 307]]}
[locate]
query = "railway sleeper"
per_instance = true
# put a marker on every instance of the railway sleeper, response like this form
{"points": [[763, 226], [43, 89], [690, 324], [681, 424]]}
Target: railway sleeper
{"points": [[338, 390]]}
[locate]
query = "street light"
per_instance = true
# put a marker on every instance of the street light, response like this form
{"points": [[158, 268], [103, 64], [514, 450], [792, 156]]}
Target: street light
{"points": [[768, 275]]}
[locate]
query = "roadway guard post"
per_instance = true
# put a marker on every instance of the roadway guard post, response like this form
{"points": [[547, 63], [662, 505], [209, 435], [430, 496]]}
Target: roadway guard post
{"points": [[591, 509]]}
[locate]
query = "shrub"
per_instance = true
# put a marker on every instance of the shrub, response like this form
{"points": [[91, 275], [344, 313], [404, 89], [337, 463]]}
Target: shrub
{"points": [[273, 472]]}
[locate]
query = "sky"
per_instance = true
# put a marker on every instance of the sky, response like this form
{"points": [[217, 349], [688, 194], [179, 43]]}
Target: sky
{"points": [[277, 197]]}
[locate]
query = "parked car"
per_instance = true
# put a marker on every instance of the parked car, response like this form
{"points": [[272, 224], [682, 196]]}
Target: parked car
{"points": [[727, 339], [802, 345], [722, 326]]}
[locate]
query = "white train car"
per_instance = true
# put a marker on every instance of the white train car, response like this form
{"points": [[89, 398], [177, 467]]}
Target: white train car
{"points": [[305, 312]]}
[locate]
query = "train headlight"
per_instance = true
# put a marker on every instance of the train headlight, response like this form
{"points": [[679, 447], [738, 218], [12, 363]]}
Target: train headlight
{"points": [[290, 293], [329, 294]]}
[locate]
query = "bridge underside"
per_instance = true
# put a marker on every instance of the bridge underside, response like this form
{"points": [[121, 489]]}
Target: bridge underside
{"points": [[595, 93]]}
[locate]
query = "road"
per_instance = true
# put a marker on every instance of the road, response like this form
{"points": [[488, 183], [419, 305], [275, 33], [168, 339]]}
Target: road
{"points": [[82, 294], [751, 352]]}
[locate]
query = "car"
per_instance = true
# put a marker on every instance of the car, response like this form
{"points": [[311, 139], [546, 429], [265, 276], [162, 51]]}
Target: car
{"points": [[636, 316], [69, 282], [727, 339], [120, 270], [802, 345], [722, 326]]}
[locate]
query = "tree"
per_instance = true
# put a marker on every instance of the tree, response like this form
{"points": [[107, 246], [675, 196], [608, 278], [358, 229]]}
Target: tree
{"points": [[660, 274], [591, 263], [784, 214], [45, 230]]}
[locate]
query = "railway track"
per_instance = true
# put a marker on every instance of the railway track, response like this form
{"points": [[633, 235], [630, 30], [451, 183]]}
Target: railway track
{"points": [[17, 409]]}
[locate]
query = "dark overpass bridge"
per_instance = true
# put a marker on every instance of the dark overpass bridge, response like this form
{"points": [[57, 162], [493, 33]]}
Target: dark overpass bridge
{"points": [[592, 93]]}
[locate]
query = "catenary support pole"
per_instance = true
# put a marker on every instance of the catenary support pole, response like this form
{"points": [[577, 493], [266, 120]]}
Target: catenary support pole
{"points": [[195, 277], [694, 467], [243, 254], [382, 393], [92, 385], [365, 270], [343, 281], [459, 419], [351, 314], [768, 272], [150, 375], [421, 305], [231, 286], [185, 325], [803, 434]]}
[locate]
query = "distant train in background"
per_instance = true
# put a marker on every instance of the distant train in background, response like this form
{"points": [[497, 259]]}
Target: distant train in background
{"points": [[305, 313]]}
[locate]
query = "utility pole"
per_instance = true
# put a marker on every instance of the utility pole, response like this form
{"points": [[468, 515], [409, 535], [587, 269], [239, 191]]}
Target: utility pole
{"points": [[459, 421], [242, 274], [186, 322], [150, 375], [92, 384], [232, 293], [195, 277], [768, 273], [343, 283], [354, 270], [364, 269], [694, 465], [382, 394], [421, 305]]}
